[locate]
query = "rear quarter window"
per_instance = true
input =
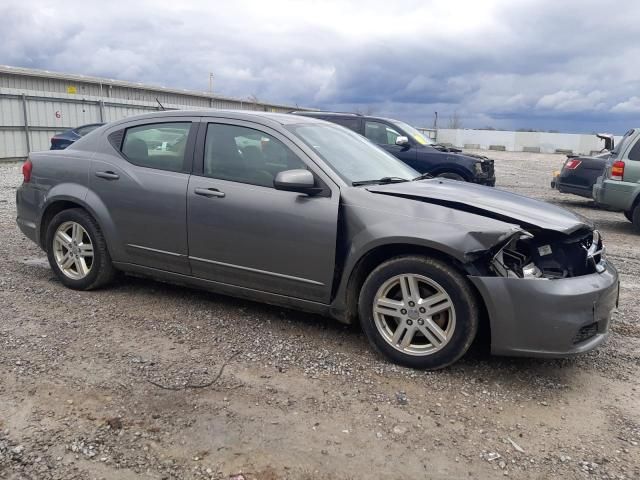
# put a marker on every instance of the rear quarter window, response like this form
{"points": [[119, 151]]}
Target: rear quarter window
{"points": [[634, 153]]}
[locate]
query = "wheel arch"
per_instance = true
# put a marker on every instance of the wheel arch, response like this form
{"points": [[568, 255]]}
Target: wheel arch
{"points": [[61, 203], [636, 201], [381, 253], [453, 168], [51, 210]]}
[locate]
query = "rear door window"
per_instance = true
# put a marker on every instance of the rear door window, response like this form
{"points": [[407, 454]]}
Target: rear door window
{"points": [[159, 145]]}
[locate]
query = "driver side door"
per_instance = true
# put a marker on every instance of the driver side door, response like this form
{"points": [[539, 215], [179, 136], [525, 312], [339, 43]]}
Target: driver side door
{"points": [[244, 232]]}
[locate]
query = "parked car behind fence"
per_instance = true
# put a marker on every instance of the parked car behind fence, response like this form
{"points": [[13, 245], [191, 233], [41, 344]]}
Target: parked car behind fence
{"points": [[62, 140]]}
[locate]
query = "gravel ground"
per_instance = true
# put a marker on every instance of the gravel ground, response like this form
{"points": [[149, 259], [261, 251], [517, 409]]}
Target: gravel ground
{"points": [[304, 397]]}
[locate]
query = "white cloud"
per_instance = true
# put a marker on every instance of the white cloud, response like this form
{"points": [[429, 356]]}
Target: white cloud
{"points": [[573, 101], [632, 105], [499, 62]]}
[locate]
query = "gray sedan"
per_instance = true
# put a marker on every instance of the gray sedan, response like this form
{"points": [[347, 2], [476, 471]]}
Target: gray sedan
{"points": [[306, 214]]}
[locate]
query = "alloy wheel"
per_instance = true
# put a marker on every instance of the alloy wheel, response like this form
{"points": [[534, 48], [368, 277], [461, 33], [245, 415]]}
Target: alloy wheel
{"points": [[414, 314], [73, 250]]}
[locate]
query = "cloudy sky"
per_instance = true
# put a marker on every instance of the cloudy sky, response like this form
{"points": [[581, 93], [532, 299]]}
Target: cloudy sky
{"points": [[569, 65]]}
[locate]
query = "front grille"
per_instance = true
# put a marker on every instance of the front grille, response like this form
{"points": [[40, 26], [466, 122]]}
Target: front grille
{"points": [[488, 168], [586, 332]]}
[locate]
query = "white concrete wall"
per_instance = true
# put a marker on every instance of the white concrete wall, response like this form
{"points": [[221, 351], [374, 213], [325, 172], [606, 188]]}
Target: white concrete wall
{"points": [[516, 141]]}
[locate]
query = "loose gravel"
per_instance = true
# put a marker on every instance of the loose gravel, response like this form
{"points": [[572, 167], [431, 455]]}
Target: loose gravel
{"points": [[301, 397]]}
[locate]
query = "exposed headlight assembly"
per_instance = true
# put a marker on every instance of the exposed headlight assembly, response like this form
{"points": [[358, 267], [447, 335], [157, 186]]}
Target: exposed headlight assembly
{"points": [[478, 167], [550, 255], [509, 262]]}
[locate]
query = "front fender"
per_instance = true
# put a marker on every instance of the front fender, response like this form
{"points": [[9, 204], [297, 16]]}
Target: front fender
{"points": [[451, 233], [462, 170]]}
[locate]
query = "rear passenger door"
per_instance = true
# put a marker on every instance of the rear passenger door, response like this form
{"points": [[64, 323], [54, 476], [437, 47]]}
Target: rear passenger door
{"points": [[385, 135], [244, 232], [141, 183]]}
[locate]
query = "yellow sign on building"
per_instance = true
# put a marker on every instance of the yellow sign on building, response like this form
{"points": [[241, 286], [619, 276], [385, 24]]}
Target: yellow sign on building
{"points": [[71, 89]]}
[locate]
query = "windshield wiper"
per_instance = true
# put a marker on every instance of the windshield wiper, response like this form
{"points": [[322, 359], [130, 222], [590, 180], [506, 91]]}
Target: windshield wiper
{"points": [[422, 176], [379, 181]]}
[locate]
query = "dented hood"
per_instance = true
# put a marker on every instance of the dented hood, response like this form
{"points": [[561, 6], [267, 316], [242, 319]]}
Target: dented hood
{"points": [[487, 201]]}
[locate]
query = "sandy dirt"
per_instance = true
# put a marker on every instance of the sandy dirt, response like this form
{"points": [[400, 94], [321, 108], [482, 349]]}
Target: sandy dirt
{"points": [[305, 397]]}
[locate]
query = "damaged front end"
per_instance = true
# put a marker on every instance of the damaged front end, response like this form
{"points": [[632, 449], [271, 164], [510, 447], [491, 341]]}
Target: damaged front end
{"points": [[548, 293], [550, 255]]}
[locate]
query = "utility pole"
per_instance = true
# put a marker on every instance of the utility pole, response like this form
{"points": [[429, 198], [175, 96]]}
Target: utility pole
{"points": [[435, 121], [210, 82]]}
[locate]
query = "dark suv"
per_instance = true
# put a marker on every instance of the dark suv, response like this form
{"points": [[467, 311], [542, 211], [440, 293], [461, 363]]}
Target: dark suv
{"points": [[414, 148]]}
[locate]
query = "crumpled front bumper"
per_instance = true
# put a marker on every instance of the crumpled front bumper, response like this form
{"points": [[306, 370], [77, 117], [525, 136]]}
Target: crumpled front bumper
{"points": [[549, 317]]}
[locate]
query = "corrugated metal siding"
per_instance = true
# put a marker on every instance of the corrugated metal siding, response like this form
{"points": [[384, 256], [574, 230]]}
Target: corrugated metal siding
{"points": [[61, 115], [11, 113], [52, 107], [12, 144], [41, 139]]}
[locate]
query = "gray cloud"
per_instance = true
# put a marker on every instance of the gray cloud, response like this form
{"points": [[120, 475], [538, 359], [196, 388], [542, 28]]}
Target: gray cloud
{"points": [[546, 64]]}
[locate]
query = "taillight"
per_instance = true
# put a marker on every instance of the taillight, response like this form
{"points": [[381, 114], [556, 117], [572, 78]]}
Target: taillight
{"points": [[27, 167], [617, 170], [572, 164]]}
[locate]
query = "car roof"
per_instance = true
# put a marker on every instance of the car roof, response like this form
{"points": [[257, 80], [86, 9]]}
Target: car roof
{"points": [[313, 114], [265, 117]]}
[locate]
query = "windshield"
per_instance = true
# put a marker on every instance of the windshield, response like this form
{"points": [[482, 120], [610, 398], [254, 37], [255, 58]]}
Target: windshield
{"points": [[350, 155], [421, 138]]}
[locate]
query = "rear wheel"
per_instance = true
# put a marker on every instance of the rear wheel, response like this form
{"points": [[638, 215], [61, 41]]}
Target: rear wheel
{"points": [[419, 312], [77, 251], [635, 217], [451, 176], [629, 215]]}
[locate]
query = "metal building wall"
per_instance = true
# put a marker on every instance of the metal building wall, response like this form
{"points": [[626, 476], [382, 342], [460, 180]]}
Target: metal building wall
{"points": [[55, 102]]}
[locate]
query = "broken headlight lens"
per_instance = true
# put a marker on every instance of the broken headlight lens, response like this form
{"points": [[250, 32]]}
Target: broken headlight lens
{"points": [[478, 167]]}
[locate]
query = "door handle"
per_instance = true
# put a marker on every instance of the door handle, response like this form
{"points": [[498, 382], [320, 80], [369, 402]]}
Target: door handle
{"points": [[108, 175], [209, 192]]}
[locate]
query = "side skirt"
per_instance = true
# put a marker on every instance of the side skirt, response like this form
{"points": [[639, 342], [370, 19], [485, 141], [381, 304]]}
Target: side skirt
{"points": [[225, 289]]}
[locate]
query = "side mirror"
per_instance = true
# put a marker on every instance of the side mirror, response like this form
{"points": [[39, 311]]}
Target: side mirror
{"points": [[402, 141], [299, 180]]}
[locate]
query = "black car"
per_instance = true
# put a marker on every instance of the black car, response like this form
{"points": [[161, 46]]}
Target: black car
{"points": [[415, 149], [62, 140], [579, 173]]}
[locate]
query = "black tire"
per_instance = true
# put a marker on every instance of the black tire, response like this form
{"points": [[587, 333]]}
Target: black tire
{"points": [[102, 270], [629, 214], [635, 217], [455, 285], [452, 176]]}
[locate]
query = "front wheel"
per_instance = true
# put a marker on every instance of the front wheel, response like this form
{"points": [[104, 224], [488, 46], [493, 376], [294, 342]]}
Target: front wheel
{"points": [[77, 251], [419, 312]]}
